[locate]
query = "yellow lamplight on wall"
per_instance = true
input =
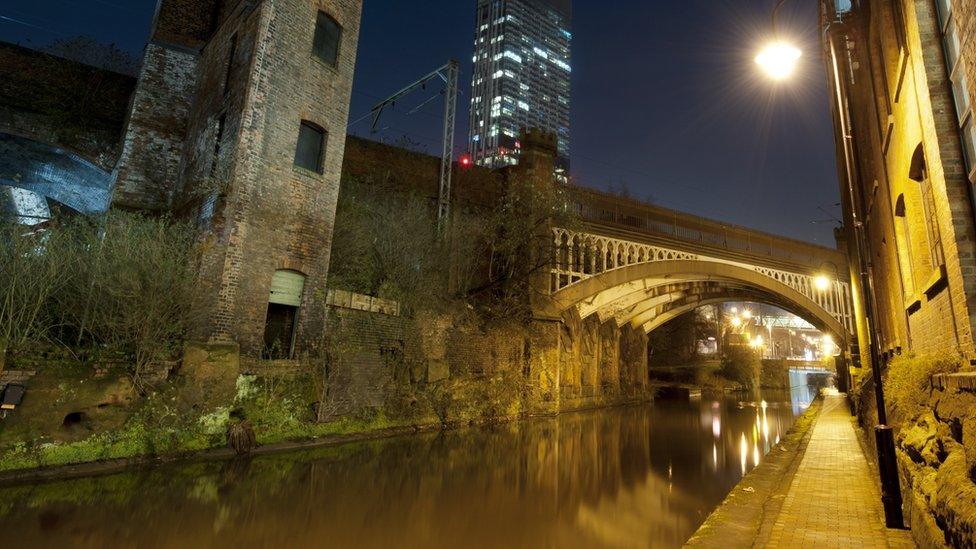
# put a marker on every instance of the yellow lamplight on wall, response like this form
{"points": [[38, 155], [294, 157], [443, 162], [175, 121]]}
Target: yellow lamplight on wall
{"points": [[747, 314], [779, 60], [736, 321]]}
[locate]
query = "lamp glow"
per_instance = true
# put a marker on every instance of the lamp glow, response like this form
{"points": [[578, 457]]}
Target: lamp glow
{"points": [[821, 283], [778, 60]]}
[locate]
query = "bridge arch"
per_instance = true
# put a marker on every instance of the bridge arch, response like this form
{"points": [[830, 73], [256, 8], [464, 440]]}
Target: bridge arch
{"points": [[648, 294], [33, 170]]}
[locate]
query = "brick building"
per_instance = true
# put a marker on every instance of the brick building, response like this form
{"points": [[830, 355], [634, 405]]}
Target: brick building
{"points": [[902, 76], [906, 99], [238, 120]]}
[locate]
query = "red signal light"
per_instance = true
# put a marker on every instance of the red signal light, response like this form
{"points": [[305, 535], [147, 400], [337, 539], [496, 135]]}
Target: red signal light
{"points": [[465, 161]]}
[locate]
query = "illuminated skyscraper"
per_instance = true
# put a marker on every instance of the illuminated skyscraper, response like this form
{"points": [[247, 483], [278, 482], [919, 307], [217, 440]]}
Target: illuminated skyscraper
{"points": [[521, 77]]}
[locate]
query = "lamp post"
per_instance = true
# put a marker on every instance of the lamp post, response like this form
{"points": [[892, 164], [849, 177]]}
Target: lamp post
{"points": [[884, 436]]}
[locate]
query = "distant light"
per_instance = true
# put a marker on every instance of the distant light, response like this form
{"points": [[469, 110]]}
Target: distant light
{"points": [[465, 161], [736, 321], [779, 60], [747, 314], [821, 282]]}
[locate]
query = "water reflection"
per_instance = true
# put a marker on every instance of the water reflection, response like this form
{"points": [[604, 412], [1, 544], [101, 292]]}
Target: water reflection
{"points": [[633, 477]]}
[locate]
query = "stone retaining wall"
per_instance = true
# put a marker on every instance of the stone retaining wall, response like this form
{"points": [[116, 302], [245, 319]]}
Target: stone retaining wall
{"points": [[936, 459]]}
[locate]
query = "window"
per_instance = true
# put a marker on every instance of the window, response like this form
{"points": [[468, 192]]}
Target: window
{"points": [[327, 36], [218, 143], [919, 172], [903, 245], [311, 144], [898, 15], [957, 76]]}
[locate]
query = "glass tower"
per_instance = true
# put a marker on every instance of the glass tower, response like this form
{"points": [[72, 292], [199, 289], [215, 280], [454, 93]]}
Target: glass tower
{"points": [[521, 78]]}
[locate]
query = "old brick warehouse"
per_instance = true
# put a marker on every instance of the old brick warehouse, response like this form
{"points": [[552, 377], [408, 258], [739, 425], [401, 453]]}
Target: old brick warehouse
{"points": [[906, 75]]}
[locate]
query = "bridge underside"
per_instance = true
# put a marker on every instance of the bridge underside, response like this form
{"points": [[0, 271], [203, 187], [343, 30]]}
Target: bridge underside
{"points": [[647, 295], [592, 332]]}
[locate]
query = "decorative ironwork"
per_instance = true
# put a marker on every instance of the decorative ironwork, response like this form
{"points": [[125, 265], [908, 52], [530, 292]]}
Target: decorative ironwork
{"points": [[579, 256]]}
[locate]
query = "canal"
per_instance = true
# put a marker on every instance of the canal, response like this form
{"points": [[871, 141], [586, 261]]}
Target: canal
{"points": [[643, 476]]}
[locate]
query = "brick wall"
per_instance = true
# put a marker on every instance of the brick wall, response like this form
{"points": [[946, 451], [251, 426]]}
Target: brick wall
{"points": [[371, 346], [901, 100], [63, 103], [903, 110], [152, 149]]}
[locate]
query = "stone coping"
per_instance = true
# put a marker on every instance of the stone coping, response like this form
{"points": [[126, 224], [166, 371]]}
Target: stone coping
{"points": [[961, 381]]}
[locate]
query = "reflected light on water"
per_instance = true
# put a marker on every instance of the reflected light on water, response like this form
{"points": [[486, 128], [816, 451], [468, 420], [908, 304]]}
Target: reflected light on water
{"points": [[629, 477], [743, 452]]}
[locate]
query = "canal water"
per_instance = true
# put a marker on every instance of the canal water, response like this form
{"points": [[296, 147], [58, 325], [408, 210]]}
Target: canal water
{"points": [[643, 476]]}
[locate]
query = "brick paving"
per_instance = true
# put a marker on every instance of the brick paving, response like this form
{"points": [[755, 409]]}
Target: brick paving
{"points": [[833, 500]]}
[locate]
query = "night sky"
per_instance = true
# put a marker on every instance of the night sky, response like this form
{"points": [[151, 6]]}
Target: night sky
{"points": [[667, 102]]}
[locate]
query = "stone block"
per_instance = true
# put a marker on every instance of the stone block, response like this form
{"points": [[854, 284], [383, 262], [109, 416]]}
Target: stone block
{"points": [[208, 374], [360, 302]]}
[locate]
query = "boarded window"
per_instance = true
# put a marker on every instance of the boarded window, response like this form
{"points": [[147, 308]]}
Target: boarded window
{"points": [[328, 33], [311, 143], [287, 288]]}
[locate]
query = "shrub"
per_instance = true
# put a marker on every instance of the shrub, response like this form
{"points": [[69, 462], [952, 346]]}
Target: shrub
{"points": [[907, 383], [741, 364], [122, 283]]}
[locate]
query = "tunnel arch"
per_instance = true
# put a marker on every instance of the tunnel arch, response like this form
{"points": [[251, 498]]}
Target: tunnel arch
{"points": [[728, 282], [54, 173]]}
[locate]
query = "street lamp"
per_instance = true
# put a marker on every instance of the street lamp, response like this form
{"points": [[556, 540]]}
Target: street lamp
{"points": [[821, 282], [884, 436], [779, 58]]}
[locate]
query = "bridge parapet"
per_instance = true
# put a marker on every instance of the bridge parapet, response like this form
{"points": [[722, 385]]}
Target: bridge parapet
{"points": [[622, 217], [579, 256]]}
